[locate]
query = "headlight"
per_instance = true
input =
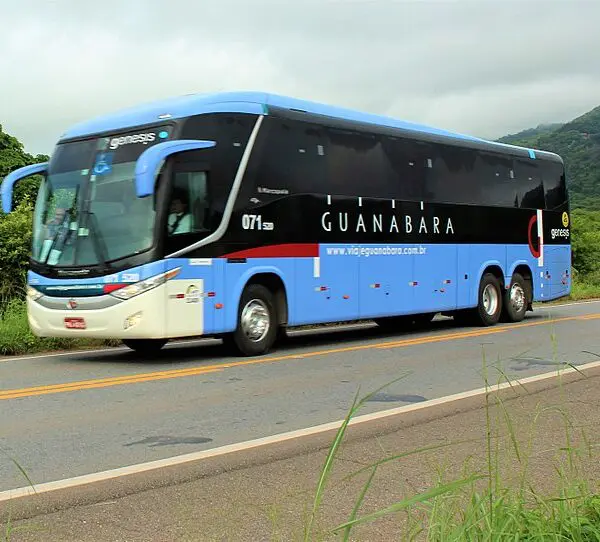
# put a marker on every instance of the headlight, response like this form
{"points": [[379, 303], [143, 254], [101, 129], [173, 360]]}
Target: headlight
{"points": [[33, 294], [138, 288]]}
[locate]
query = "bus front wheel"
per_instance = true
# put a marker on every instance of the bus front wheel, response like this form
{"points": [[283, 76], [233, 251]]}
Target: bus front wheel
{"points": [[146, 347], [257, 327]]}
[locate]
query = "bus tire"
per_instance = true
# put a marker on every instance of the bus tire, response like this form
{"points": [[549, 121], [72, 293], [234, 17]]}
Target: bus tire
{"points": [[257, 328], [516, 299], [489, 301], [146, 347]]}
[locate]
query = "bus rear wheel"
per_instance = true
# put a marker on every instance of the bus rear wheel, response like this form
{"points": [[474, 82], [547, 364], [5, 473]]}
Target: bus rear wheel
{"points": [[516, 299], [146, 347], [489, 301], [257, 327]]}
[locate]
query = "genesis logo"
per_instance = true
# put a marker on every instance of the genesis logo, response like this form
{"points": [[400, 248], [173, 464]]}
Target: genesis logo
{"points": [[144, 139]]}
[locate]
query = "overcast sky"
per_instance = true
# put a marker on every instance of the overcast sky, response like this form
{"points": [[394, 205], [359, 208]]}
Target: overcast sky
{"points": [[482, 67]]}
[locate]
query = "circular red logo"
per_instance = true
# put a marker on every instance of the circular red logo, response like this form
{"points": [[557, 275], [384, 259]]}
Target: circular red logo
{"points": [[533, 238]]}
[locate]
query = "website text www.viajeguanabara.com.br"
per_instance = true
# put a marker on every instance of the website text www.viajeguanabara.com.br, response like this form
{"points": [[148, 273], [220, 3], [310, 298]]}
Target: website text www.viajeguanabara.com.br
{"points": [[375, 251]]}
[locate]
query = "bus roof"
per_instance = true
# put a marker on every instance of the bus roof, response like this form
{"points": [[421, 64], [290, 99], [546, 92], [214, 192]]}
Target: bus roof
{"points": [[255, 103]]}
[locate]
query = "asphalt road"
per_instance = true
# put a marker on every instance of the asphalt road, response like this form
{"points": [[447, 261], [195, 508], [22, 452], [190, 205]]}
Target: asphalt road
{"points": [[67, 415]]}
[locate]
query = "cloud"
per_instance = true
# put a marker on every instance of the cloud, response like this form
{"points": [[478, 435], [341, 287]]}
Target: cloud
{"points": [[481, 67]]}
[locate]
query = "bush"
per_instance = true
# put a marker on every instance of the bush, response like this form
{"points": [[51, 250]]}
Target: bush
{"points": [[15, 233], [586, 244]]}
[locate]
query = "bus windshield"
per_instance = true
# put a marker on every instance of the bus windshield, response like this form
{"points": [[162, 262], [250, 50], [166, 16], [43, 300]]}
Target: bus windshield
{"points": [[87, 212]]}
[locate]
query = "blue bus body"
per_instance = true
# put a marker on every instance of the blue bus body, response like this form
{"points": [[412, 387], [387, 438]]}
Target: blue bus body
{"points": [[359, 258]]}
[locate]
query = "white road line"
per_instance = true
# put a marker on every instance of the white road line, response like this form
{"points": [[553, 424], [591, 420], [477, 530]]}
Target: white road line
{"points": [[340, 327], [282, 437], [570, 304]]}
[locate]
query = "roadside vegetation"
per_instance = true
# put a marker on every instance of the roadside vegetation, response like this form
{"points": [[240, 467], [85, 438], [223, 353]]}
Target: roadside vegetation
{"points": [[499, 499]]}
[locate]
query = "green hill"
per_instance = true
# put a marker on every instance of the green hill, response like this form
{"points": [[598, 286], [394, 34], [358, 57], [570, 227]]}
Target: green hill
{"points": [[530, 133], [578, 142]]}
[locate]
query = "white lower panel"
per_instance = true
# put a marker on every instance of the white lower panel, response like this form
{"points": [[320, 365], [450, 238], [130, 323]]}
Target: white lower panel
{"points": [[141, 317], [185, 307]]}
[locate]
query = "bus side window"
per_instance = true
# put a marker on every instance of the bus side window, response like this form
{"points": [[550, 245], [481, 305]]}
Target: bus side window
{"points": [[289, 160], [188, 210], [530, 191], [553, 177], [198, 190]]}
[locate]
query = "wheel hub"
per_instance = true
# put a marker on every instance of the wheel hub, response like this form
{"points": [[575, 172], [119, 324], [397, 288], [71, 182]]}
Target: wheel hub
{"points": [[490, 300], [255, 320], [517, 297]]}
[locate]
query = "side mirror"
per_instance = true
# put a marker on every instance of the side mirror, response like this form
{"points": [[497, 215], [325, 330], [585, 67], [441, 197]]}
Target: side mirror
{"points": [[12, 178], [147, 164]]}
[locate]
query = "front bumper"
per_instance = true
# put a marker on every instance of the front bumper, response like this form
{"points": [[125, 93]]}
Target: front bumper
{"points": [[104, 317]]}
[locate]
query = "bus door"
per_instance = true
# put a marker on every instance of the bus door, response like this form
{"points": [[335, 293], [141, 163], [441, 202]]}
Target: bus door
{"points": [[386, 276], [193, 289], [557, 270], [435, 278], [327, 286]]}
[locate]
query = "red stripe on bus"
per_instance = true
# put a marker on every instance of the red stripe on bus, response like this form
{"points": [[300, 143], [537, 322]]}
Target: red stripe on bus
{"points": [[292, 250]]}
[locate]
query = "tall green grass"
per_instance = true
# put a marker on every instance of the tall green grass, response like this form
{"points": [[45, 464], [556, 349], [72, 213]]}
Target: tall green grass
{"points": [[582, 290], [497, 501]]}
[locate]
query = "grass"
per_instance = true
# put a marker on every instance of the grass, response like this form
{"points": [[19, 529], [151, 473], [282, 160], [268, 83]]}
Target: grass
{"points": [[585, 290], [16, 337], [481, 505]]}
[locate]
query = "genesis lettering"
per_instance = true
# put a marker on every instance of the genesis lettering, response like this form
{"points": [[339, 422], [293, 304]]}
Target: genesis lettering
{"points": [[144, 139]]}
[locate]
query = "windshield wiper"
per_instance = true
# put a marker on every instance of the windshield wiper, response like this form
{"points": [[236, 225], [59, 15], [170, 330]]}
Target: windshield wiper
{"points": [[66, 221], [98, 240], [60, 238]]}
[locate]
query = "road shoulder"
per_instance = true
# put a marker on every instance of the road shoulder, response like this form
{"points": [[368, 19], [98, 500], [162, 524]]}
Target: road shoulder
{"points": [[266, 491]]}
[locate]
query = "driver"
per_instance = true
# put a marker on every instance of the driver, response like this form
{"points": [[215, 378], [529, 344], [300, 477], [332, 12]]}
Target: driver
{"points": [[180, 221], [54, 224]]}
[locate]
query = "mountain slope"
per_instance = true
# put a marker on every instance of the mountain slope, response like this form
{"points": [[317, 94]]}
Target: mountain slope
{"points": [[578, 142], [530, 133]]}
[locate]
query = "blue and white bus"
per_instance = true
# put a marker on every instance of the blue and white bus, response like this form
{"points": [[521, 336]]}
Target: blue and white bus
{"points": [[238, 215]]}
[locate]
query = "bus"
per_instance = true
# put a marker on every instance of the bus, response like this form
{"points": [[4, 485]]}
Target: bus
{"points": [[238, 215]]}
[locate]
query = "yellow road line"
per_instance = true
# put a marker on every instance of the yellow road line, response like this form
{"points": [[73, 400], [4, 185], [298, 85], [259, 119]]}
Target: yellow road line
{"points": [[102, 383], [483, 332], [205, 369], [589, 317]]}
